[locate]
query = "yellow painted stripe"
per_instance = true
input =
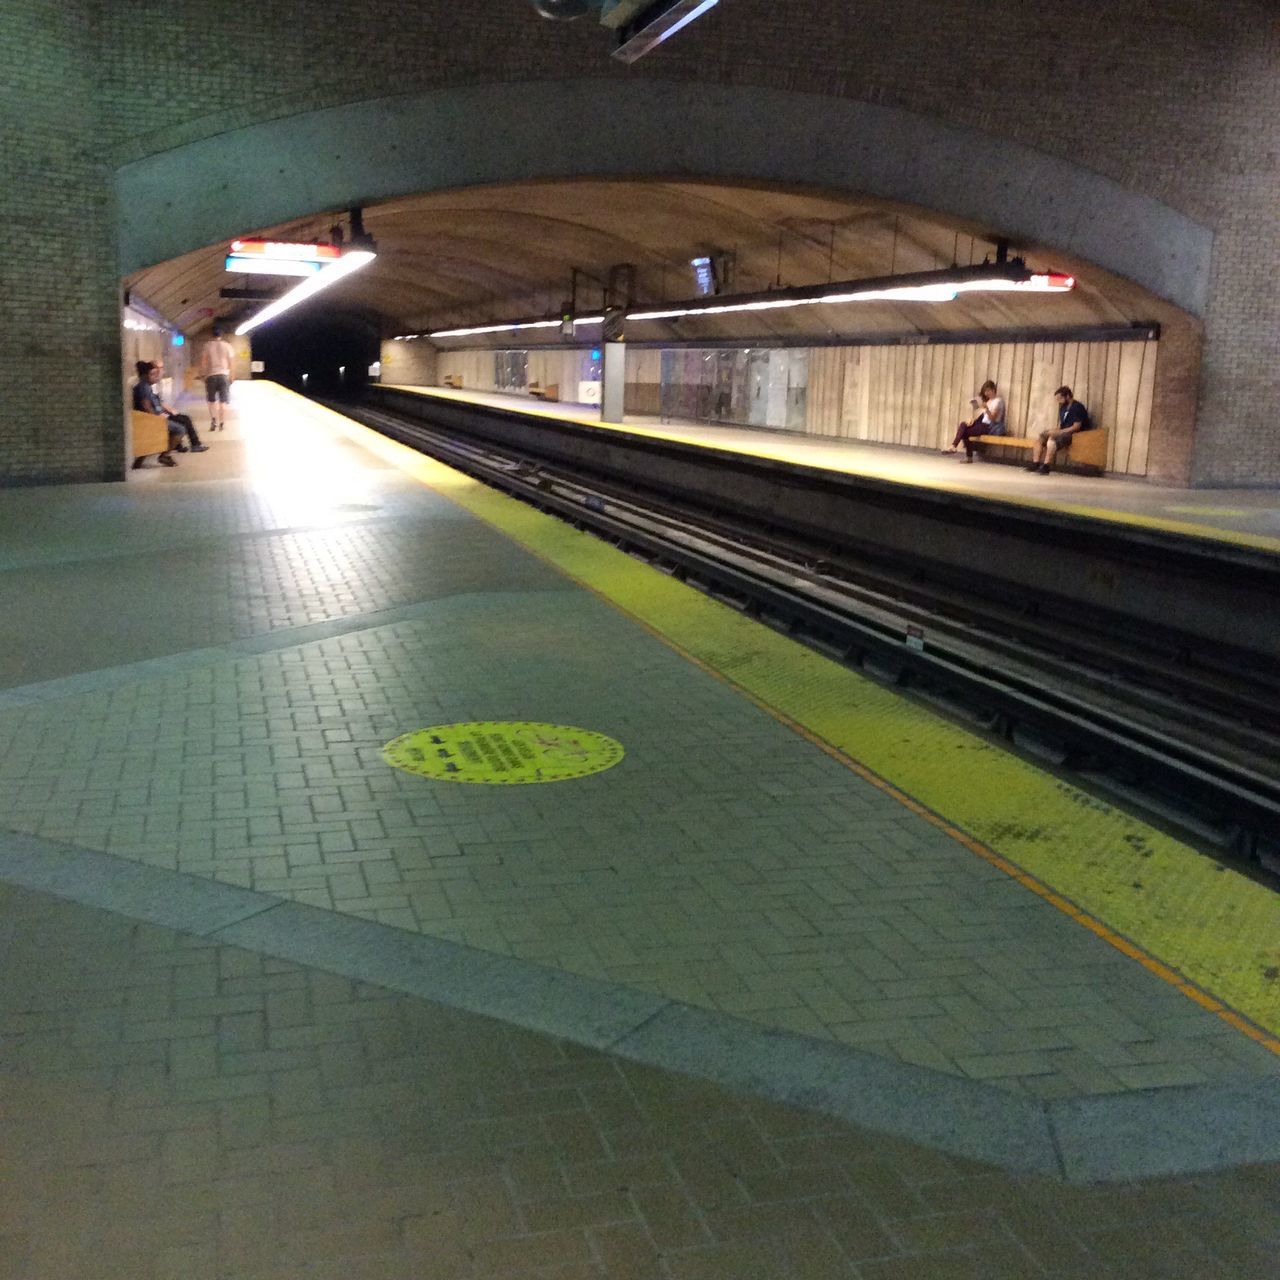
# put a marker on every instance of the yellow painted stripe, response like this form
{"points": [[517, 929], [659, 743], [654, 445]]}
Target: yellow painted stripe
{"points": [[1207, 930], [779, 452]]}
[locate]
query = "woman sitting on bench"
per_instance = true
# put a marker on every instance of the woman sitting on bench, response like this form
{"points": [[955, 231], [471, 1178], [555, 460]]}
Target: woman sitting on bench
{"points": [[990, 422]]}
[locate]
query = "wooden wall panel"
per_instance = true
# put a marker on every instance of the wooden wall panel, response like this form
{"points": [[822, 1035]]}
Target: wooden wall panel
{"points": [[644, 382], [1139, 433], [475, 368], [544, 369], [909, 394], [914, 395], [824, 407]]}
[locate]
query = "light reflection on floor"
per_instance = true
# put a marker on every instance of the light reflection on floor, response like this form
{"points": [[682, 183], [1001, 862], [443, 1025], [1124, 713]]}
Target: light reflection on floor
{"points": [[305, 474]]}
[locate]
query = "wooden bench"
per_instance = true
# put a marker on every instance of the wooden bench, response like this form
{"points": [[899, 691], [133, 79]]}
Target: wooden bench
{"points": [[1087, 448], [149, 434], [453, 381], [550, 392]]}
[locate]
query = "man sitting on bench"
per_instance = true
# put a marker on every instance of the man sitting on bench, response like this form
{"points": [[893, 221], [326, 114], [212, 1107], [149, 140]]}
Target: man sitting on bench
{"points": [[1073, 417], [146, 399]]}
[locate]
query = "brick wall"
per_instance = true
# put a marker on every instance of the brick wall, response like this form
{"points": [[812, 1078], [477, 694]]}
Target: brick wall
{"points": [[59, 334], [1177, 99], [411, 363]]}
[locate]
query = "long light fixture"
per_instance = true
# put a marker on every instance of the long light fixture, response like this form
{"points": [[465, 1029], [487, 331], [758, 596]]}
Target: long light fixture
{"points": [[513, 327], [922, 286], [351, 260], [654, 25], [925, 286]]}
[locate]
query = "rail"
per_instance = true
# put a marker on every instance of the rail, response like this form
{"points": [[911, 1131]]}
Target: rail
{"points": [[1140, 705]]}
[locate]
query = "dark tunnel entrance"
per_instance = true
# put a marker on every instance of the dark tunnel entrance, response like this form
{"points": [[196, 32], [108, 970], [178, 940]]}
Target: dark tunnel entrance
{"points": [[328, 353]]}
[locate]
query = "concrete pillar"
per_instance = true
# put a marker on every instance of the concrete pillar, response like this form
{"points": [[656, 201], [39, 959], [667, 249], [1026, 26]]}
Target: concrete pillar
{"points": [[1173, 403], [60, 304], [613, 392]]}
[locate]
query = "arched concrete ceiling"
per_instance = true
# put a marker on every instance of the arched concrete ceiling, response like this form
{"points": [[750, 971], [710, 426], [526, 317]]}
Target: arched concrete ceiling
{"points": [[505, 251], [459, 137]]}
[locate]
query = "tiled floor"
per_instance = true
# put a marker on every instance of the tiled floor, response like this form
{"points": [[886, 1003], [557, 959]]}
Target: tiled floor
{"points": [[176, 1110], [726, 862], [171, 1107]]}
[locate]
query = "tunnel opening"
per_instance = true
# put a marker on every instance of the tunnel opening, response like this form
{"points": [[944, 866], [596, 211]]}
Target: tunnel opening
{"points": [[325, 352], [501, 287]]}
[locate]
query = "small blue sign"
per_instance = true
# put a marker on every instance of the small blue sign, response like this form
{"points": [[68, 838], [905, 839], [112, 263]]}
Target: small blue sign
{"points": [[179, 340]]}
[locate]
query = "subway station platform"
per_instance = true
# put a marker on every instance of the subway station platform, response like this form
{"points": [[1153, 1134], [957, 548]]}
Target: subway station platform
{"points": [[1243, 517], [804, 981]]}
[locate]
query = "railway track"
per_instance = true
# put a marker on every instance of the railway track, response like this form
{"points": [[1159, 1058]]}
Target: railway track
{"points": [[1195, 742]]}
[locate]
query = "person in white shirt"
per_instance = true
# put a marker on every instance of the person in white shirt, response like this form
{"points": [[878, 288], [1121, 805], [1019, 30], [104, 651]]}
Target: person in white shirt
{"points": [[215, 368], [990, 422]]}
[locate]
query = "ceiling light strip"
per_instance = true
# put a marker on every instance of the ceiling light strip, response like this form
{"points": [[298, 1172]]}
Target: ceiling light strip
{"points": [[513, 326], [927, 286], [350, 261], [937, 290]]}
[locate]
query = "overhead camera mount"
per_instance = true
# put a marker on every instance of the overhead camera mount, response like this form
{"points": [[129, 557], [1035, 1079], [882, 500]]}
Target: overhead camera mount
{"points": [[641, 25]]}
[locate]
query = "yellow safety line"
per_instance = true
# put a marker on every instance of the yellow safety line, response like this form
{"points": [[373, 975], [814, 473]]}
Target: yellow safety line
{"points": [[1001, 793], [1112, 515]]}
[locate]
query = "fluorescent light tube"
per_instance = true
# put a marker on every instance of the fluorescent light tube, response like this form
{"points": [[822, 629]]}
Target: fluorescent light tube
{"points": [[270, 266], [514, 326], [641, 36], [924, 290], [350, 261]]}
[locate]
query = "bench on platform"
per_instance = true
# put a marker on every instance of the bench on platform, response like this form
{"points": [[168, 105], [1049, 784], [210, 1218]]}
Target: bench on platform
{"points": [[149, 434], [1087, 448], [453, 381], [550, 392]]}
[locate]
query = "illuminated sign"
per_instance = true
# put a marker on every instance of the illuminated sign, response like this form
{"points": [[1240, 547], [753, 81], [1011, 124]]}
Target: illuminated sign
{"points": [[279, 257], [287, 250], [704, 275], [270, 266]]}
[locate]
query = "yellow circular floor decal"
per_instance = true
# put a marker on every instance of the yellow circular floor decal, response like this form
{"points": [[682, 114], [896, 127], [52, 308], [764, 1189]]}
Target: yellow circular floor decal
{"points": [[497, 751]]}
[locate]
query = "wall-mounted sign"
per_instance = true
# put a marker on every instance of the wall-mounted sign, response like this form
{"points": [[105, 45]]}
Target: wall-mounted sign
{"points": [[288, 249], [279, 257], [503, 752], [704, 276]]}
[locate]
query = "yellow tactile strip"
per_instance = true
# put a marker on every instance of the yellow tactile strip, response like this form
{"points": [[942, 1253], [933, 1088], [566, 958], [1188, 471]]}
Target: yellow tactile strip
{"points": [[1111, 515], [1213, 933]]}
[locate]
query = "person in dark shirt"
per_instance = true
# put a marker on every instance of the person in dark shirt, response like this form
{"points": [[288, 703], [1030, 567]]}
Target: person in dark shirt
{"points": [[1073, 418], [146, 399]]}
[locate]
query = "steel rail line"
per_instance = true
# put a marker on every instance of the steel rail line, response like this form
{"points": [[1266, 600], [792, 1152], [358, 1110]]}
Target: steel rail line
{"points": [[1197, 746]]}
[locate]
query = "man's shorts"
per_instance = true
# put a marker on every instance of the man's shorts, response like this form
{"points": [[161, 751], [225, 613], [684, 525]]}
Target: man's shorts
{"points": [[217, 386]]}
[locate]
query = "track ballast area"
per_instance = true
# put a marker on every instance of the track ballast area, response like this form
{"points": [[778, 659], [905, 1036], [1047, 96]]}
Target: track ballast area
{"points": [[1166, 714]]}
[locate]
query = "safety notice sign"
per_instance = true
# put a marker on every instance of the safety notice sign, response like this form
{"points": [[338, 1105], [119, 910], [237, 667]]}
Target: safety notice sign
{"points": [[503, 752]]}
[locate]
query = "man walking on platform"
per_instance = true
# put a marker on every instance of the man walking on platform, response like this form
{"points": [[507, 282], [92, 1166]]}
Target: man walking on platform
{"points": [[215, 367]]}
